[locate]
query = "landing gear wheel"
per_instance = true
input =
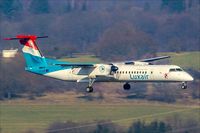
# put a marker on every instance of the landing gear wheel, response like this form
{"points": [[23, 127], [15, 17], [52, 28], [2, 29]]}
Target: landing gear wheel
{"points": [[184, 85], [89, 89], [127, 86]]}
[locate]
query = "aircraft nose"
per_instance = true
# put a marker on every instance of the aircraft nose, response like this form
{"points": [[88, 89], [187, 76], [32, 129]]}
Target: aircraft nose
{"points": [[189, 77]]}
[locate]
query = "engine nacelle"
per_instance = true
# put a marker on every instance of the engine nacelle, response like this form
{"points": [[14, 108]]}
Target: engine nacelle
{"points": [[103, 69]]}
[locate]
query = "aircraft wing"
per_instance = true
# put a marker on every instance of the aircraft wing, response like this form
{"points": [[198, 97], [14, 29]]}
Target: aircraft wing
{"points": [[146, 60], [154, 59], [92, 65], [75, 64]]}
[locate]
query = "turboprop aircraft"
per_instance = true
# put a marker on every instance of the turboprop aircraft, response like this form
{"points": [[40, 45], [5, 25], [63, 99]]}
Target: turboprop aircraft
{"points": [[126, 72]]}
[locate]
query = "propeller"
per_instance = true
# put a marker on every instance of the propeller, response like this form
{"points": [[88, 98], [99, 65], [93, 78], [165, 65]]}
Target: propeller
{"points": [[114, 68]]}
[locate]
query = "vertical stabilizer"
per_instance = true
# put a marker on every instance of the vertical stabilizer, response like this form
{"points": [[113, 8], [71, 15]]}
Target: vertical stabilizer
{"points": [[32, 54]]}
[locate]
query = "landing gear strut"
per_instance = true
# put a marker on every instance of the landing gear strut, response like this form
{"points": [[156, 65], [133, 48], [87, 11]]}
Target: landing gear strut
{"points": [[89, 89], [127, 86], [184, 85]]}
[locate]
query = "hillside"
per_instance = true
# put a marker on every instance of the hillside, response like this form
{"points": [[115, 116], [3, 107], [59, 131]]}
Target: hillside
{"points": [[187, 60], [21, 115], [84, 58]]}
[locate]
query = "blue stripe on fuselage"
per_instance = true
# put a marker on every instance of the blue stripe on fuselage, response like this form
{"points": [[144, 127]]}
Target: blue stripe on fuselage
{"points": [[45, 70]]}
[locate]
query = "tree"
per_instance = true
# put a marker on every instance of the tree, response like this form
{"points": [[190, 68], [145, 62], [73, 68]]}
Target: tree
{"points": [[175, 45], [146, 6], [189, 124], [153, 127], [11, 8], [72, 127], [173, 6], [136, 127], [162, 127], [39, 6], [10, 82], [122, 41], [163, 93], [84, 6], [109, 127], [6, 6], [68, 7]]}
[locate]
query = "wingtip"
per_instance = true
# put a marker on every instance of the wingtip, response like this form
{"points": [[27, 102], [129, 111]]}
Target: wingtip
{"points": [[6, 38]]}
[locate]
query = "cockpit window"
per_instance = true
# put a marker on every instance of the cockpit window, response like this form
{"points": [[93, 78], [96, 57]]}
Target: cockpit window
{"points": [[172, 70], [179, 69], [175, 70]]}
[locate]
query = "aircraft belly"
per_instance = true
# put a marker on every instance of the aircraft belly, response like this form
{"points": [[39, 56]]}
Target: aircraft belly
{"points": [[60, 74], [65, 74]]}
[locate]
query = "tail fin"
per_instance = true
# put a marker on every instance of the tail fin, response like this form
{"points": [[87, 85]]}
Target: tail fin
{"points": [[32, 54]]}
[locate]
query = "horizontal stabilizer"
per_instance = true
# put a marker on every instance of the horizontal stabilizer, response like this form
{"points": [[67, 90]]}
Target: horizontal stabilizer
{"points": [[25, 37]]}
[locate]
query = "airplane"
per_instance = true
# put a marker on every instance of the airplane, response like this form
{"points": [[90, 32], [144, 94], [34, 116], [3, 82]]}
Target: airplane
{"points": [[126, 72]]}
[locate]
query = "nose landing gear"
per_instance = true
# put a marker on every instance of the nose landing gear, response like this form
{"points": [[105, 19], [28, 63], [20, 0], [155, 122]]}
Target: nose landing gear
{"points": [[127, 86], [184, 85]]}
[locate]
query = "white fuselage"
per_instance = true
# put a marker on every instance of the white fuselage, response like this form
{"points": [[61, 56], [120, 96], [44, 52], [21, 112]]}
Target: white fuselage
{"points": [[125, 73]]}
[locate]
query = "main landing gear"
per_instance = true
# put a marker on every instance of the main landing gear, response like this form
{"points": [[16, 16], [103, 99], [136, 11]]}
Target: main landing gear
{"points": [[127, 86], [184, 85], [89, 89]]}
